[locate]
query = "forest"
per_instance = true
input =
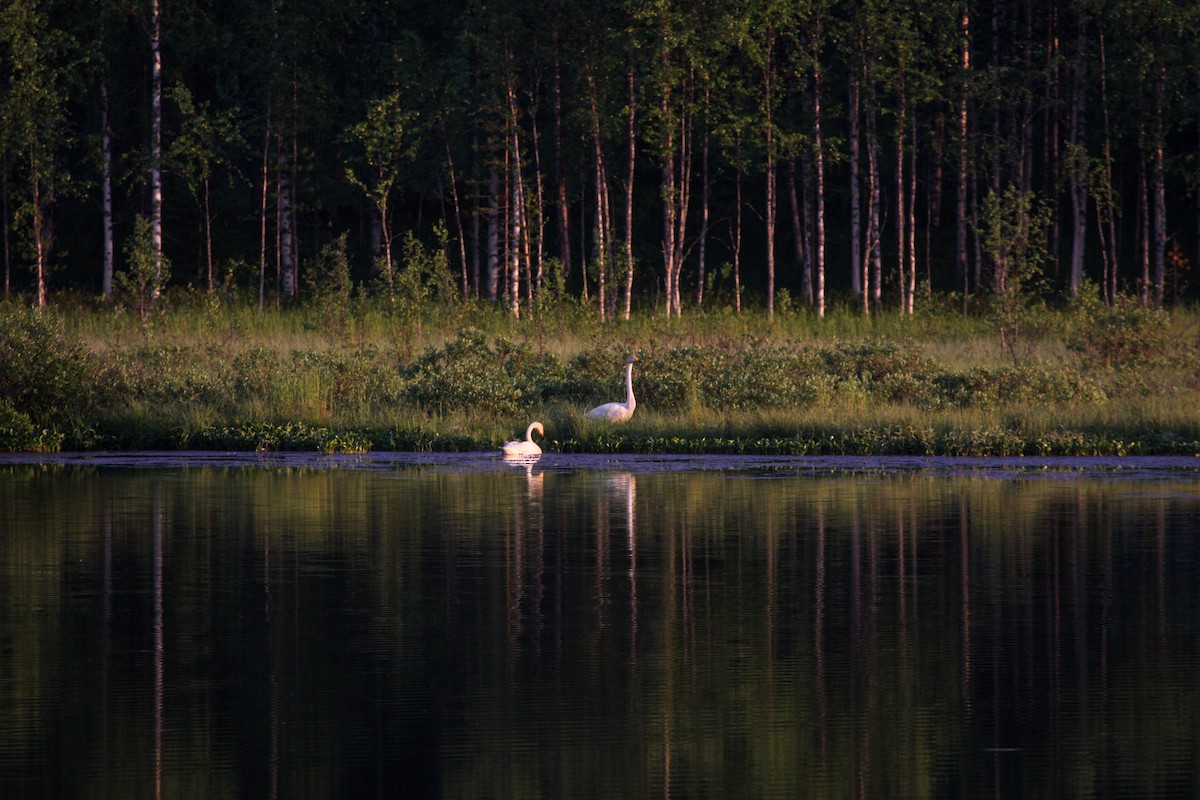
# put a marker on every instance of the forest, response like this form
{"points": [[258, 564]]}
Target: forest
{"points": [[651, 155]]}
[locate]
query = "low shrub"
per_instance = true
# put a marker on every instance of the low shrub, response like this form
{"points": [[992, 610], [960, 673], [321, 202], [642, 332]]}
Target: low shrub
{"points": [[44, 373]]}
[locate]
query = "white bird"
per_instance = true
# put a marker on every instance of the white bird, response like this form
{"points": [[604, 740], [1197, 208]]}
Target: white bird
{"points": [[526, 446], [618, 412]]}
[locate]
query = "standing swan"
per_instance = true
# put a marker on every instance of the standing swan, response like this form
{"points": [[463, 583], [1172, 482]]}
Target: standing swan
{"points": [[525, 447], [618, 412]]}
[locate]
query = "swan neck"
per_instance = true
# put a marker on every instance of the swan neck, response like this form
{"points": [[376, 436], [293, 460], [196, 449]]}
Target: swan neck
{"points": [[629, 401]]}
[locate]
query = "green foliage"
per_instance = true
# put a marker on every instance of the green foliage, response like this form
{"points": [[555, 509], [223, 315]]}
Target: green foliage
{"points": [[1012, 226], [1122, 336], [262, 437], [332, 289], [18, 434], [142, 282], [464, 374], [44, 373]]}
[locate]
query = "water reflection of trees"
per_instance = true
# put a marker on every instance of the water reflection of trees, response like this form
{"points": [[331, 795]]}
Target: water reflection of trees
{"points": [[602, 633]]}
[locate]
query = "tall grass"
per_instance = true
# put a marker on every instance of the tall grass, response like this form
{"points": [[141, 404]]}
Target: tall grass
{"points": [[213, 372]]}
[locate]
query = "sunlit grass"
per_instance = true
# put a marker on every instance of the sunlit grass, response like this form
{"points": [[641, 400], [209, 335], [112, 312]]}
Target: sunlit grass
{"points": [[208, 373]]}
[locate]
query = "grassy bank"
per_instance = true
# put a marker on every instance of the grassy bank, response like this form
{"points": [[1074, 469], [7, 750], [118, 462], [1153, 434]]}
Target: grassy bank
{"points": [[209, 373]]}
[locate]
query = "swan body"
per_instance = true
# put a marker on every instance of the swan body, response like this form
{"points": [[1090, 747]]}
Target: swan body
{"points": [[618, 412], [526, 446]]}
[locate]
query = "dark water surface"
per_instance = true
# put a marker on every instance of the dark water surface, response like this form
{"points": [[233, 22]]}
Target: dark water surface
{"points": [[291, 626]]}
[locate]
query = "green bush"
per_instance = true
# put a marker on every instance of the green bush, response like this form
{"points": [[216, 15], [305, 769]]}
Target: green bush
{"points": [[44, 373], [1121, 336], [466, 374]]}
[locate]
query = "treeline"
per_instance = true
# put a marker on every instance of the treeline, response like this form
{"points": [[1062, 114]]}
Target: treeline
{"points": [[662, 154]]}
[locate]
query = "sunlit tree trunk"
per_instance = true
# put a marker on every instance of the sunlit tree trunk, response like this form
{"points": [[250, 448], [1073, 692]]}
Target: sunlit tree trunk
{"points": [[458, 217], [38, 211], [539, 207], [283, 205], [705, 190], [631, 133], [912, 220], [901, 214], [265, 194], [768, 75], [1160, 190], [560, 174], [856, 270], [602, 227], [961, 207], [819, 155], [737, 241], [106, 192], [1078, 162], [872, 285], [156, 195]]}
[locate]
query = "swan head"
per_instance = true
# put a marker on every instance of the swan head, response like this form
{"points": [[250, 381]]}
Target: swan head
{"points": [[631, 359], [535, 426]]}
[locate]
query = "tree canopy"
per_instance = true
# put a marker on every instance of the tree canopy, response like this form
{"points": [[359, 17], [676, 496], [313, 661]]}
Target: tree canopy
{"points": [[654, 154]]}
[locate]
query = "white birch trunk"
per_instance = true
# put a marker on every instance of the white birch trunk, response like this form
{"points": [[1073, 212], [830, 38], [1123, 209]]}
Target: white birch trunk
{"points": [[856, 282], [156, 196], [106, 192]]}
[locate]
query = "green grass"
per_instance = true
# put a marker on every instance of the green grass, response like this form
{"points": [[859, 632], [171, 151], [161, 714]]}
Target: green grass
{"points": [[208, 374]]}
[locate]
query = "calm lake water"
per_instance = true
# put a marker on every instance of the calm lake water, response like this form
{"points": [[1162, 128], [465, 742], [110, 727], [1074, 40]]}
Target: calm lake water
{"points": [[207, 626]]}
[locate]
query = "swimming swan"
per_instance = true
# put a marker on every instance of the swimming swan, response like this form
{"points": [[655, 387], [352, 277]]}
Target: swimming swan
{"points": [[525, 447], [618, 412]]}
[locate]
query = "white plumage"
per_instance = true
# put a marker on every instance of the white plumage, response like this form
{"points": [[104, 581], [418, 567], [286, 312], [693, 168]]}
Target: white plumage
{"points": [[526, 446], [618, 412]]}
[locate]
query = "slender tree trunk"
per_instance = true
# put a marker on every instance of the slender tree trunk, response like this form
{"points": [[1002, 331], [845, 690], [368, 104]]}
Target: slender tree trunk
{"points": [[901, 213], [912, 219], [669, 199], [808, 201], [493, 233], [1078, 174], [856, 261], [684, 194], [518, 237], [520, 227], [560, 175], [106, 192], [1160, 189], [458, 217], [1106, 202], [476, 217], [156, 196], [514, 221], [287, 255], [961, 209], [705, 189], [4, 224], [266, 183], [601, 200], [737, 242], [1144, 221], [768, 73], [873, 298], [208, 247], [539, 237], [39, 229], [819, 155], [798, 233], [631, 133]]}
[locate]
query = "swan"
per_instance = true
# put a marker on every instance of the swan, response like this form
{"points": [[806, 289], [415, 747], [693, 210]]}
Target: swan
{"points": [[526, 446], [618, 412]]}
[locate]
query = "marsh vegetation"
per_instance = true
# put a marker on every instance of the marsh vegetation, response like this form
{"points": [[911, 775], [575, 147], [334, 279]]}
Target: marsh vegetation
{"points": [[352, 375]]}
